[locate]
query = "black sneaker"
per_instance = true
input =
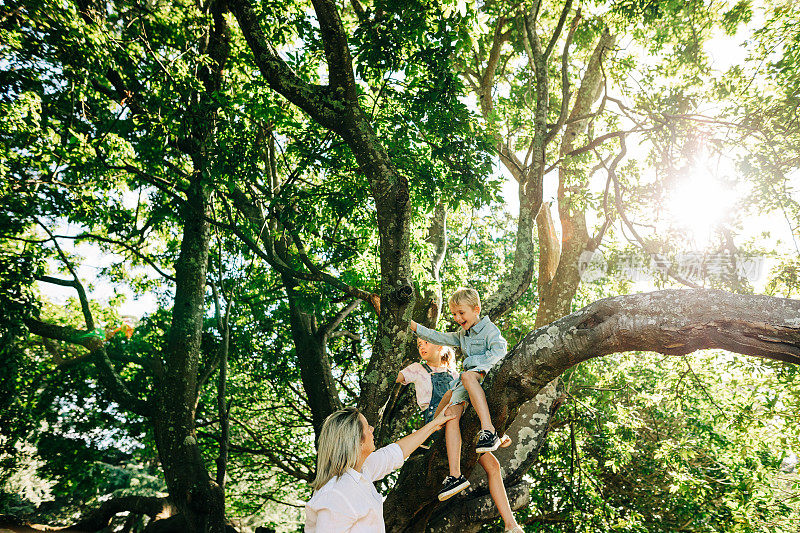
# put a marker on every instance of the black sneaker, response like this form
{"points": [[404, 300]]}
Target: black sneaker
{"points": [[487, 441], [452, 486]]}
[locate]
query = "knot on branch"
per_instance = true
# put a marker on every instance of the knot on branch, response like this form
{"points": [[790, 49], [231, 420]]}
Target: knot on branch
{"points": [[598, 313], [402, 294]]}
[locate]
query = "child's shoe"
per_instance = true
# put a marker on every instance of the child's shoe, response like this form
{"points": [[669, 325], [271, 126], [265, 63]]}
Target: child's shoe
{"points": [[452, 486], [517, 529], [487, 441]]}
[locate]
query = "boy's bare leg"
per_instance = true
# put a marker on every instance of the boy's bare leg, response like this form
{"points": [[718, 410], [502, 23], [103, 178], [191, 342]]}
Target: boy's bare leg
{"points": [[443, 402], [497, 489], [452, 439], [477, 398]]}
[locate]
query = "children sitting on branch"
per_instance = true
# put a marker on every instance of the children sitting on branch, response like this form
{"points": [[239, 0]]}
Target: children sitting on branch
{"points": [[482, 346], [431, 379]]}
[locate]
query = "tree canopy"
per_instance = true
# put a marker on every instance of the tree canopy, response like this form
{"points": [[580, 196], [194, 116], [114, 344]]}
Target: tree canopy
{"points": [[219, 217]]}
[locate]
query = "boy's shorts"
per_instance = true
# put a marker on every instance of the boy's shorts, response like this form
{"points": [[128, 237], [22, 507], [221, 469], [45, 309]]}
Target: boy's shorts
{"points": [[460, 393]]}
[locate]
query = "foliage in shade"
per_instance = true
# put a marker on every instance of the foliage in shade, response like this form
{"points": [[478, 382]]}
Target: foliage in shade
{"points": [[133, 132]]}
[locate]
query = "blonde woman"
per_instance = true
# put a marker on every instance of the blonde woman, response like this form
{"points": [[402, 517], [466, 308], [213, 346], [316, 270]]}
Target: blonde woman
{"points": [[345, 498]]}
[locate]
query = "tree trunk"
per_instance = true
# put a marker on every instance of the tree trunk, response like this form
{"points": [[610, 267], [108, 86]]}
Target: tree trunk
{"points": [[191, 490], [312, 358], [199, 500]]}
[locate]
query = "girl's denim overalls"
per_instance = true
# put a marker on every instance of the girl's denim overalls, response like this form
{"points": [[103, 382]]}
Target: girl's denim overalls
{"points": [[440, 383]]}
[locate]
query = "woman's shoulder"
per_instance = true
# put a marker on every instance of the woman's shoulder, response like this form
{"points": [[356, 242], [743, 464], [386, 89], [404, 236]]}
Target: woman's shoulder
{"points": [[382, 461], [332, 495]]}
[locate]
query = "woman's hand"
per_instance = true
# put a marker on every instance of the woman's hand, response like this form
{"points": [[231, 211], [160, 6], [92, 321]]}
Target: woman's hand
{"points": [[441, 419], [409, 443]]}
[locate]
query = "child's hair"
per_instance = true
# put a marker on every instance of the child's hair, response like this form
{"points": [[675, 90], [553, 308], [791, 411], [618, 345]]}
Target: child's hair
{"points": [[448, 356], [339, 445], [465, 295]]}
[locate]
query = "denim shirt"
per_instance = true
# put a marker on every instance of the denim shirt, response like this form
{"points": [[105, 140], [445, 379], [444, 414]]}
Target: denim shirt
{"points": [[482, 345]]}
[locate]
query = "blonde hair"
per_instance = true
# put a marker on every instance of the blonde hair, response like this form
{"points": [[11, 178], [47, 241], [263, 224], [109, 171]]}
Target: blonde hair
{"points": [[339, 446], [465, 295], [448, 357]]}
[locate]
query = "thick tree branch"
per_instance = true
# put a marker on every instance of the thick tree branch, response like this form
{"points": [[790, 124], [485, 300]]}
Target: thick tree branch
{"points": [[100, 518], [437, 236], [56, 281], [486, 81], [278, 74], [549, 247], [337, 54], [330, 328], [344, 333], [555, 297], [671, 322]]}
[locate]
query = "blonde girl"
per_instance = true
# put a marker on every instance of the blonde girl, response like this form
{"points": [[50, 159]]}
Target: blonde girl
{"points": [[431, 377]]}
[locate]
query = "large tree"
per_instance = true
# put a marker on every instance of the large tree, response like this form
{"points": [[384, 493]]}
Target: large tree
{"points": [[169, 101]]}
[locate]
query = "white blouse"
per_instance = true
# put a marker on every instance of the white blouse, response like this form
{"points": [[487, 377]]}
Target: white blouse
{"points": [[350, 502]]}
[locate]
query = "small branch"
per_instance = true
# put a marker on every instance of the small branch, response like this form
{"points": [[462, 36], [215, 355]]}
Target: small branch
{"points": [[597, 142], [320, 274], [344, 333], [257, 219], [611, 169], [273, 457], [329, 329], [705, 391], [128, 247], [87, 312]]}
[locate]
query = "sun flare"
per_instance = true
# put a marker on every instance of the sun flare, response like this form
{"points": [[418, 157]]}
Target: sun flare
{"points": [[699, 204]]}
